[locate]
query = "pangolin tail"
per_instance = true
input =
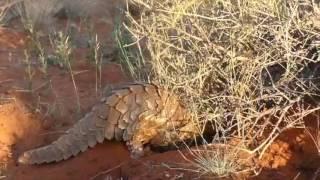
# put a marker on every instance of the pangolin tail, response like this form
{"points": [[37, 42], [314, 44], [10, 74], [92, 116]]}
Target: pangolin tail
{"points": [[87, 132]]}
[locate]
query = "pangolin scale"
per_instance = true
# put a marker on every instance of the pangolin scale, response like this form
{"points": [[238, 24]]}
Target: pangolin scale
{"points": [[137, 113]]}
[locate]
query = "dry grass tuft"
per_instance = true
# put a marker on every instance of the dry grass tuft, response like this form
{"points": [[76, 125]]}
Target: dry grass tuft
{"points": [[31, 12], [43, 12], [220, 161], [37, 12], [314, 134], [248, 68]]}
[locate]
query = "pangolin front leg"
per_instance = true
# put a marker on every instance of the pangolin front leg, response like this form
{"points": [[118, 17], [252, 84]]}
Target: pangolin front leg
{"points": [[145, 130]]}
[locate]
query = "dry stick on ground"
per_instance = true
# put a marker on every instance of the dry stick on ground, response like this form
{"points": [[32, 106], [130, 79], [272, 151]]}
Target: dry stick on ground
{"points": [[6, 81], [316, 174], [107, 171]]}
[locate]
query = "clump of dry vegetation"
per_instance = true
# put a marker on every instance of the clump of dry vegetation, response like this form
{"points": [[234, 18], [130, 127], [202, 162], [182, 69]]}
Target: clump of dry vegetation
{"points": [[38, 18], [43, 13], [247, 68]]}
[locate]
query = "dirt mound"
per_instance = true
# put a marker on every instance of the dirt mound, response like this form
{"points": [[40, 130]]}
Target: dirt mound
{"points": [[292, 156], [17, 124], [19, 128]]}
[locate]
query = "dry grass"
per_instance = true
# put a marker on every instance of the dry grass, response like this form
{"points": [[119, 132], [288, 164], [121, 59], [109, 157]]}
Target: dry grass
{"points": [[42, 12], [37, 12], [3, 9], [314, 134], [3, 169], [4, 150], [40, 15], [221, 161], [245, 67]]}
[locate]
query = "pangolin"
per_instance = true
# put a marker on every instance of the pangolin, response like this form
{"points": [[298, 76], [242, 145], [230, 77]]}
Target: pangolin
{"points": [[136, 113]]}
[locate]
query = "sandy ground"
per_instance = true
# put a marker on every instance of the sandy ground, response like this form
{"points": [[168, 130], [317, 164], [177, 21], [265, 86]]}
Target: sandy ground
{"points": [[31, 119]]}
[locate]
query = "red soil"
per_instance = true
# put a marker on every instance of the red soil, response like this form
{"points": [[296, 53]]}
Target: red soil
{"points": [[29, 120], [292, 156]]}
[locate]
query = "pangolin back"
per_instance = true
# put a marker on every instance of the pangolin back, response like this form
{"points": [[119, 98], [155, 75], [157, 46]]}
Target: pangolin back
{"points": [[134, 113]]}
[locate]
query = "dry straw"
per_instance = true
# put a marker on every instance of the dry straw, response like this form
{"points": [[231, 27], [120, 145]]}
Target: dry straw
{"points": [[248, 68]]}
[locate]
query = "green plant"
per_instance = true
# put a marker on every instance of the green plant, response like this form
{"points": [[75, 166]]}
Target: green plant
{"points": [[29, 70], [63, 49], [95, 56], [130, 60]]}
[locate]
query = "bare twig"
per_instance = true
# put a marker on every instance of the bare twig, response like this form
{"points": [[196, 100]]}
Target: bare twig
{"points": [[107, 171]]}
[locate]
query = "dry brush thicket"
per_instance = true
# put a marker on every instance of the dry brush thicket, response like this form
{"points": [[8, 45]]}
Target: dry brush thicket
{"points": [[248, 68]]}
